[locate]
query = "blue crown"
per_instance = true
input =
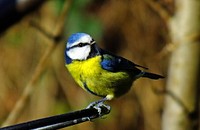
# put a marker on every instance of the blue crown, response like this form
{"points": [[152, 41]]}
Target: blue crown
{"points": [[74, 37]]}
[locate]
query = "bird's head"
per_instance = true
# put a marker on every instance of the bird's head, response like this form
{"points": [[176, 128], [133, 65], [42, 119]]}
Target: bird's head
{"points": [[81, 46]]}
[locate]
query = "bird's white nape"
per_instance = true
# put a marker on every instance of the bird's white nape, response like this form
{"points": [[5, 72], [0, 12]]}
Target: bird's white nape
{"points": [[79, 53]]}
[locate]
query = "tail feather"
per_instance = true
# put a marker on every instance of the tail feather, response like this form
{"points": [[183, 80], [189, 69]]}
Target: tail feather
{"points": [[151, 75]]}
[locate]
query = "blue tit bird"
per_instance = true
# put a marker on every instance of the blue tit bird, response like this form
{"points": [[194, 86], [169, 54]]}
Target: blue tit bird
{"points": [[98, 71]]}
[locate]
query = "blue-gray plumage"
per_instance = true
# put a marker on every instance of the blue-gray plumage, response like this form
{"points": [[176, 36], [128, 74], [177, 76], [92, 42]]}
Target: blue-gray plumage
{"points": [[98, 71]]}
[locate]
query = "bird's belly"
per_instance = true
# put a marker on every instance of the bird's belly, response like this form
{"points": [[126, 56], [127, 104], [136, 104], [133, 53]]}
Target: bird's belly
{"points": [[99, 81], [109, 83]]}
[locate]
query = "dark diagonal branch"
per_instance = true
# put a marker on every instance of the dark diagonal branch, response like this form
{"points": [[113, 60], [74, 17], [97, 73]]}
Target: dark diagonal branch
{"points": [[63, 120], [11, 11]]}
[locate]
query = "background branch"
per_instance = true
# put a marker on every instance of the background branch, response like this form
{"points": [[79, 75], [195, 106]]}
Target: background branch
{"points": [[163, 13], [11, 11], [57, 31]]}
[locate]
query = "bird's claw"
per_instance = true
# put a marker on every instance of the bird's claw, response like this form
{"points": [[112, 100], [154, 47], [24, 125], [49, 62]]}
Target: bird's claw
{"points": [[100, 107], [93, 104]]}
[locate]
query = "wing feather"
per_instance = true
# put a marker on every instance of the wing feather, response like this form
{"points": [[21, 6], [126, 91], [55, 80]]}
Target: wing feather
{"points": [[115, 63]]}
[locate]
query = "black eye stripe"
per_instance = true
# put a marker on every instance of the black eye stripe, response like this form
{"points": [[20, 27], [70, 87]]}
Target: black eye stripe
{"points": [[79, 45]]}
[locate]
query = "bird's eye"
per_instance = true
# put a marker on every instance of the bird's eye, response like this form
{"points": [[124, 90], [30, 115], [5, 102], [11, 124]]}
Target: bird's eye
{"points": [[80, 44]]}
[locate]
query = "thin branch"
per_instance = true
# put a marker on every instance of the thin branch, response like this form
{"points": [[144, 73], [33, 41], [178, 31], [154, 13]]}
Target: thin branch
{"points": [[164, 14], [63, 120], [174, 97]]}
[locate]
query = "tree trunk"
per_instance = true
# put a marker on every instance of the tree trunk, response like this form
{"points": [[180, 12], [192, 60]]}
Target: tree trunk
{"points": [[184, 66]]}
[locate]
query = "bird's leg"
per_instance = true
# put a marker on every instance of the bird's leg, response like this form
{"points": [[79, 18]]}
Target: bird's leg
{"points": [[101, 101], [97, 103]]}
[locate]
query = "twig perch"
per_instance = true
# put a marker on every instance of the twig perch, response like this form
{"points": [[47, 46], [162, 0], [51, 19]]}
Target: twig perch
{"points": [[61, 121]]}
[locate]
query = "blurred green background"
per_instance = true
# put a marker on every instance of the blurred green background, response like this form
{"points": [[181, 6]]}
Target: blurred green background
{"points": [[129, 28]]}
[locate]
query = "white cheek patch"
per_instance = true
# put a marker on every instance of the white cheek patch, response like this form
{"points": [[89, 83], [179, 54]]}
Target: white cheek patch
{"points": [[79, 53]]}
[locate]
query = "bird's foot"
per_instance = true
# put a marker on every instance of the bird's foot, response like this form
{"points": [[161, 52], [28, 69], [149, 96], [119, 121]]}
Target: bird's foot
{"points": [[93, 104], [100, 107]]}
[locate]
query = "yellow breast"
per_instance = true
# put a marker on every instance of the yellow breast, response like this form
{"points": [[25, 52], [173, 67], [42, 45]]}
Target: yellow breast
{"points": [[90, 74]]}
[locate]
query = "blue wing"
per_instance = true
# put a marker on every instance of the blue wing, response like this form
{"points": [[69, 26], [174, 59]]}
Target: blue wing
{"points": [[114, 63]]}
